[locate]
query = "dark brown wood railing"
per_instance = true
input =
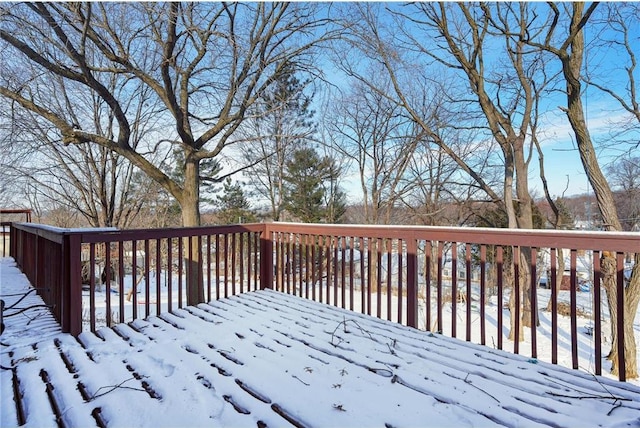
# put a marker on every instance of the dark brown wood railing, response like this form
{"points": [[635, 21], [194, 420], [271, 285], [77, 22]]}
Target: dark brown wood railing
{"points": [[434, 278], [7, 216]]}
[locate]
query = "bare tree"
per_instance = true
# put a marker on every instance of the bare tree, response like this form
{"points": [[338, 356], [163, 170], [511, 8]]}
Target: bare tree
{"points": [[563, 37], [205, 63], [462, 39], [624, 174], [89, 179], [434, 181], [370, 131]]}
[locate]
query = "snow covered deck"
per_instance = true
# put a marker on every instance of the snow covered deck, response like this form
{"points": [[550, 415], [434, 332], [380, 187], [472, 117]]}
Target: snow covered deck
{"points": [[269, 359]]}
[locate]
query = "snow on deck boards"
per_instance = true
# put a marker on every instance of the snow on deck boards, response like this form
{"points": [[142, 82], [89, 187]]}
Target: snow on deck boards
{"points": [[269, 359]]}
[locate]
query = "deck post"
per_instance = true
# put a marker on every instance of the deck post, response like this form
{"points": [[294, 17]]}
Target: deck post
{"points": [[412, 283], [13, 240], [266, 259], [71, 293], [620, 294]]}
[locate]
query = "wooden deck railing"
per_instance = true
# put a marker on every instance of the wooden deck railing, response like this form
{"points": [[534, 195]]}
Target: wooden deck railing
{"points": [[456, 281], [6, 217]]}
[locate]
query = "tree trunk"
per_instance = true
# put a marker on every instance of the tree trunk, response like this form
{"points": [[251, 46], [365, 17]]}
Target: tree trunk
{"points": [[525, 221], [571, 68], [190, 204], [631, 300]]}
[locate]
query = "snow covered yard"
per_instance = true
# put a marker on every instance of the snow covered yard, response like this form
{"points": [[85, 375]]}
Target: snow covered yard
{"points": [[269, 359]]}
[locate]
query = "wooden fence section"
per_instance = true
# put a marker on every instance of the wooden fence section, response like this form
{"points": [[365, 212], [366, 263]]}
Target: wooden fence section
{"points": [[434, 278]]}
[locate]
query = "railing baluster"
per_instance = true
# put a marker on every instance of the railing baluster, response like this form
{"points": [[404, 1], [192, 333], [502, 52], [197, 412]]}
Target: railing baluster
{"points": [[134, 282], [280, 262], [208, 268], [428, 251], [314, 269], [335, 244], [147, 291], [454, 288], [107, 283], [327, 246], [277, 261], [439, 285], [534, 302], [158, 276], [180, 270], [574, 309], [234, 249], [554, 305], [369, 274], [309, 266], [288, 262], [343, 286], [301, 267], [379, 277], [200, 266], [515, 320], [412, 283], [92, 287], [242, 257], [226, 264], [401, 297], [468, 290], [121, 288], [256, 260], [597, 324], [620, 291], [363, 305], [217, 266], [351, 272], [294, 266], [169, 274], [389, 293], [483, 291], [500, 272]]}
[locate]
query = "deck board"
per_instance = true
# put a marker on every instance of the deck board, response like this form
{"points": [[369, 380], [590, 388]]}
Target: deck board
{"points": [[269, 359]]}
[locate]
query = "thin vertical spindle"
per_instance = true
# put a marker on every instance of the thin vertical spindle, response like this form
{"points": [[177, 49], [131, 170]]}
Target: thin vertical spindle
{"points": [[620, 290], [454, 288], [574, 309], [554, 305], [169, 274], [597, 323], [483, 289], [467, 259], [515, 289], [500, 270], [534, 303]]}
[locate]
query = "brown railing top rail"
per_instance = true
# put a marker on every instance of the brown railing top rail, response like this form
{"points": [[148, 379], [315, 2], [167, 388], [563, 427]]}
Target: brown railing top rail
{"points": [[25, 211], [588, 240], [15, 211], [89, 235]]}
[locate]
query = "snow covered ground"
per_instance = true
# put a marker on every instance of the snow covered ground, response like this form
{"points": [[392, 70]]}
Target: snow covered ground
{"points": [[259, 359]]}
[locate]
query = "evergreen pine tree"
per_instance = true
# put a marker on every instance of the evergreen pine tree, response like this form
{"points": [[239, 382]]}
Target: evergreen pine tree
{"points": [[233, 206], [282, 125], [311, 190]]}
